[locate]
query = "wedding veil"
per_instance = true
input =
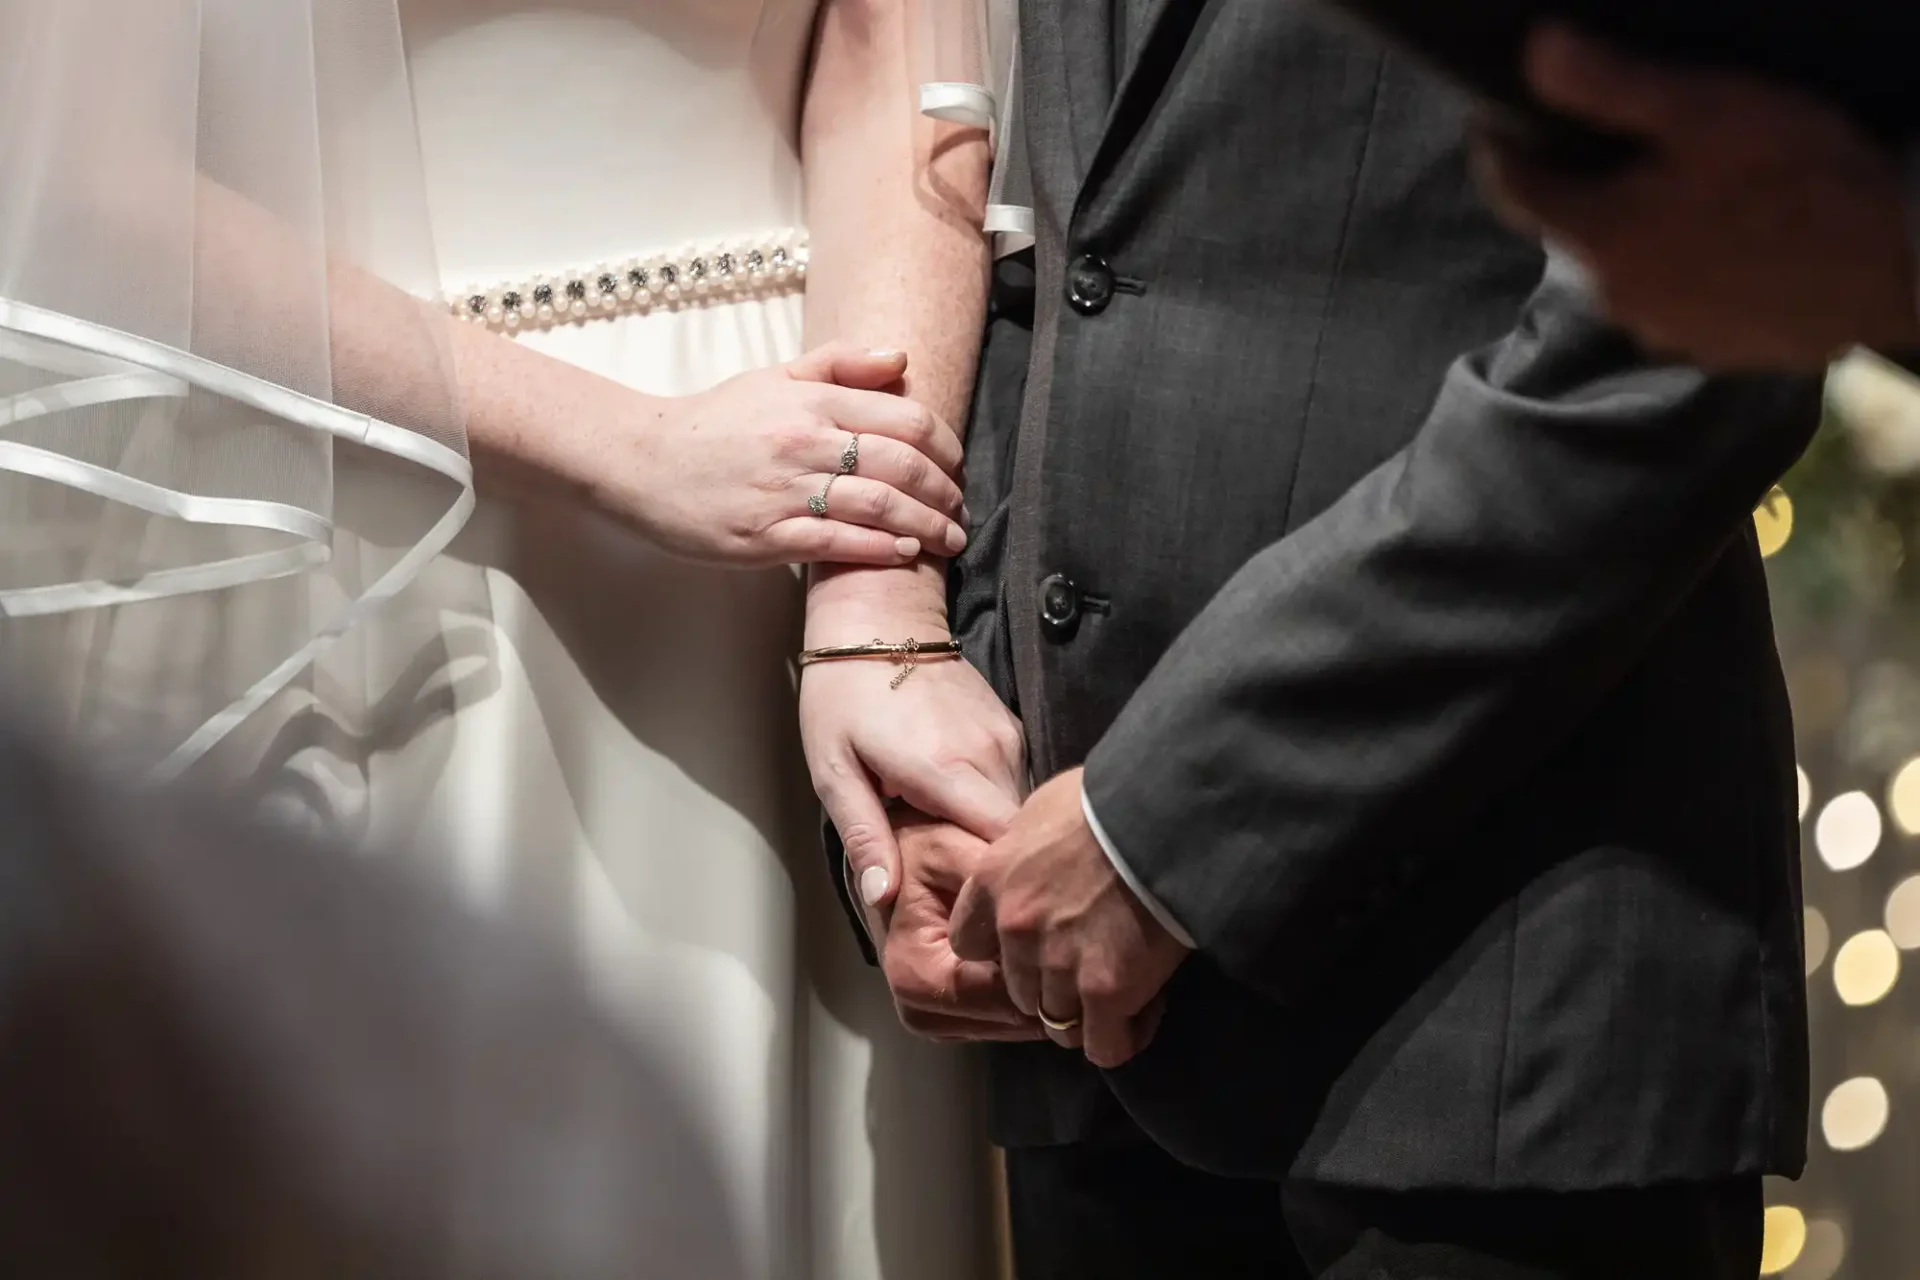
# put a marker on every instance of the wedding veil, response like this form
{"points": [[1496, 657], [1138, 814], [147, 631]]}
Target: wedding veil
{"points": [[970, 75], [229, 422]]}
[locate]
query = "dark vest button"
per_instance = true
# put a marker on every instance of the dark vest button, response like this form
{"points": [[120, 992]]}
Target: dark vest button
{"points": [[1089, 285], [1059, 607]]}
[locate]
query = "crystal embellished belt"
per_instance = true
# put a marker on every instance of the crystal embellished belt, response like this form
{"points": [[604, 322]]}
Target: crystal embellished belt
{"points": [[759, 267]]}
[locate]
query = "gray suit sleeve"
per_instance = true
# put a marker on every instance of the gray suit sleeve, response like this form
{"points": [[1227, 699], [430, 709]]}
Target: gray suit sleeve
{"points": [[1366, 685]]}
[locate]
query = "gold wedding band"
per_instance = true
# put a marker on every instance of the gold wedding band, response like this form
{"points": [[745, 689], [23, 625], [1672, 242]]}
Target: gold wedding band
{"points": [[1069, 1025]]}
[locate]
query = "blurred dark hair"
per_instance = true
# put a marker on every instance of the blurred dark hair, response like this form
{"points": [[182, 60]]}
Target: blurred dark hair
{"points": [[229, 1052]]}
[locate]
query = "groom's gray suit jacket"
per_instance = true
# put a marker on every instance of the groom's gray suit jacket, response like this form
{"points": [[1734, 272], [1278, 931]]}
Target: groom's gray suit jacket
{"points": [[1434, 694]]}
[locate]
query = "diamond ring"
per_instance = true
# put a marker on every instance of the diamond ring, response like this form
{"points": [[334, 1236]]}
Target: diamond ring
{"points": [[818, 502], [850, 456]]}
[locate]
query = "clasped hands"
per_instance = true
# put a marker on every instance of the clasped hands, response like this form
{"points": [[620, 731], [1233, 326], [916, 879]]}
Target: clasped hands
{"points": [[1030, 935], [986, 913]]}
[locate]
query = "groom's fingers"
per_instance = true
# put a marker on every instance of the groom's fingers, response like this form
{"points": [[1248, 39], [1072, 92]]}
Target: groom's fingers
{"points": [[974, 932], [949, 1030], [928, 986], [1113, 1039], [1108, 1036], [1060, 1002]]}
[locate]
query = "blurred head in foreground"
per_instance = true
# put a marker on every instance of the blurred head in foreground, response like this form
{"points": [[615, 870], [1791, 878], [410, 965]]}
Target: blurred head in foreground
{"points": [[227, 1051]]}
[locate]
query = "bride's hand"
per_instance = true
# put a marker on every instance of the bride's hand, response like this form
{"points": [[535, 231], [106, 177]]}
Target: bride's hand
{"points": [[941, 740], [726, 475]]}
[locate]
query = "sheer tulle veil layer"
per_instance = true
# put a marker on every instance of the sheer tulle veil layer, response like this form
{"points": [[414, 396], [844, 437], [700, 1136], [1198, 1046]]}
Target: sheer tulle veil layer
{"points": [[970, 75], [229, 422]]}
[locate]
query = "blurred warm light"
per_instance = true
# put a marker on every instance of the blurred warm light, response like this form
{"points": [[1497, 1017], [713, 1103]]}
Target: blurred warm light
{"points": [[1818, 939], [1903, 797], [1866, 967], [1848, 830], [1903, 914], [1806, 790], [1820, 1258], [1773, 521], [1786, 1236], [1878, 403], [1855, 1114]]}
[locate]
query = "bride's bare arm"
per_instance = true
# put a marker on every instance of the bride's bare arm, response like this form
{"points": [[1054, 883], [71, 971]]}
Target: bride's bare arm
{"points": [[723, 475], [894, 205]]}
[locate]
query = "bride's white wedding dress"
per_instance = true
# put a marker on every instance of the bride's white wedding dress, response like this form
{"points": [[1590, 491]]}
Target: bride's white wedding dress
{"points": [[628, 774]]}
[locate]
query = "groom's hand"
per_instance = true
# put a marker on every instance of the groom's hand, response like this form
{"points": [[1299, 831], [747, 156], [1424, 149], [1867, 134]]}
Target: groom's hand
{"points": [[1077, 948], [939, 995]]}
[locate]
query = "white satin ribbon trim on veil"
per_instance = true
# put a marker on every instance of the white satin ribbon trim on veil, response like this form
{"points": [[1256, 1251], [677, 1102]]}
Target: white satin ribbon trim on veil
{"points": [[971, 105], [1014, 221], [974, 106], [119, 383], [988, 103], [113, 365]]}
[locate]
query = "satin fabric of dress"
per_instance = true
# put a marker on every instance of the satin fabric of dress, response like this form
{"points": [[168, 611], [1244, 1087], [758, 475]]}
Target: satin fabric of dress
{"points": [[619, 761]]}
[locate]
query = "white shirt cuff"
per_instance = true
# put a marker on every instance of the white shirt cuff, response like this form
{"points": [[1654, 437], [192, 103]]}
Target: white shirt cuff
{"points": [[1147, 900]]}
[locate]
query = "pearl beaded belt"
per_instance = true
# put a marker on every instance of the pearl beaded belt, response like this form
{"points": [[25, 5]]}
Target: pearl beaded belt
{"points": [[754, 268]]}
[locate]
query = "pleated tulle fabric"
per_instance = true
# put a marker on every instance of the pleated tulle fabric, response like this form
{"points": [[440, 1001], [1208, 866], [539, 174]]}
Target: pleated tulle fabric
{"points": [[229, 422]]}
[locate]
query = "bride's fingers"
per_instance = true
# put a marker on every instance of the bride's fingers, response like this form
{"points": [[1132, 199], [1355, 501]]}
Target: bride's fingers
{"points": [[858, 500], [810, 540], [849, 365], [903, 467], [896, 417], [964, 796]]}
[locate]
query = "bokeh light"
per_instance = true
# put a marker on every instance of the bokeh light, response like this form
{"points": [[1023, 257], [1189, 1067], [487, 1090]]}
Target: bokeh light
{"points": [[1876, 399], [1825, 1249], [1818, 940], [1847, 831], [1844, 577], [1786, 1236], [1855, 1113], [1866, 967], [1903, 797], [1903, 914], [1773, 521]]}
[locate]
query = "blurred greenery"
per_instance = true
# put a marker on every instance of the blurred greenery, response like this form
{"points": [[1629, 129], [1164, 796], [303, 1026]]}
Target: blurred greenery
{"points": [[1850, 548]]}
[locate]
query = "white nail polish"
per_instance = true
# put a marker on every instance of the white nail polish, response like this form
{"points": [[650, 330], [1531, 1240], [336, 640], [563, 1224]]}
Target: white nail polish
{"points": [[873, 885]]}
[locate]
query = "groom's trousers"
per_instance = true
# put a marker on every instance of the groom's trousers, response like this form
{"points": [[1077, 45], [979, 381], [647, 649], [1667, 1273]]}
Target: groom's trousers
{"points": [[1091, 1211]]}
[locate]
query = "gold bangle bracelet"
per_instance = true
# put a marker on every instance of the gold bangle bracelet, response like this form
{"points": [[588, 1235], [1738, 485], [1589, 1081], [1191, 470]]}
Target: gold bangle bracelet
{"points": [[908, 653]]}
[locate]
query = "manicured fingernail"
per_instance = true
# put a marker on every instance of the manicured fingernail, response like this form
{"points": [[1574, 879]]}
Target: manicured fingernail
{"points": [[966, 516], [873, 885], [956, 538], [885, 353], [908, 547]]}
